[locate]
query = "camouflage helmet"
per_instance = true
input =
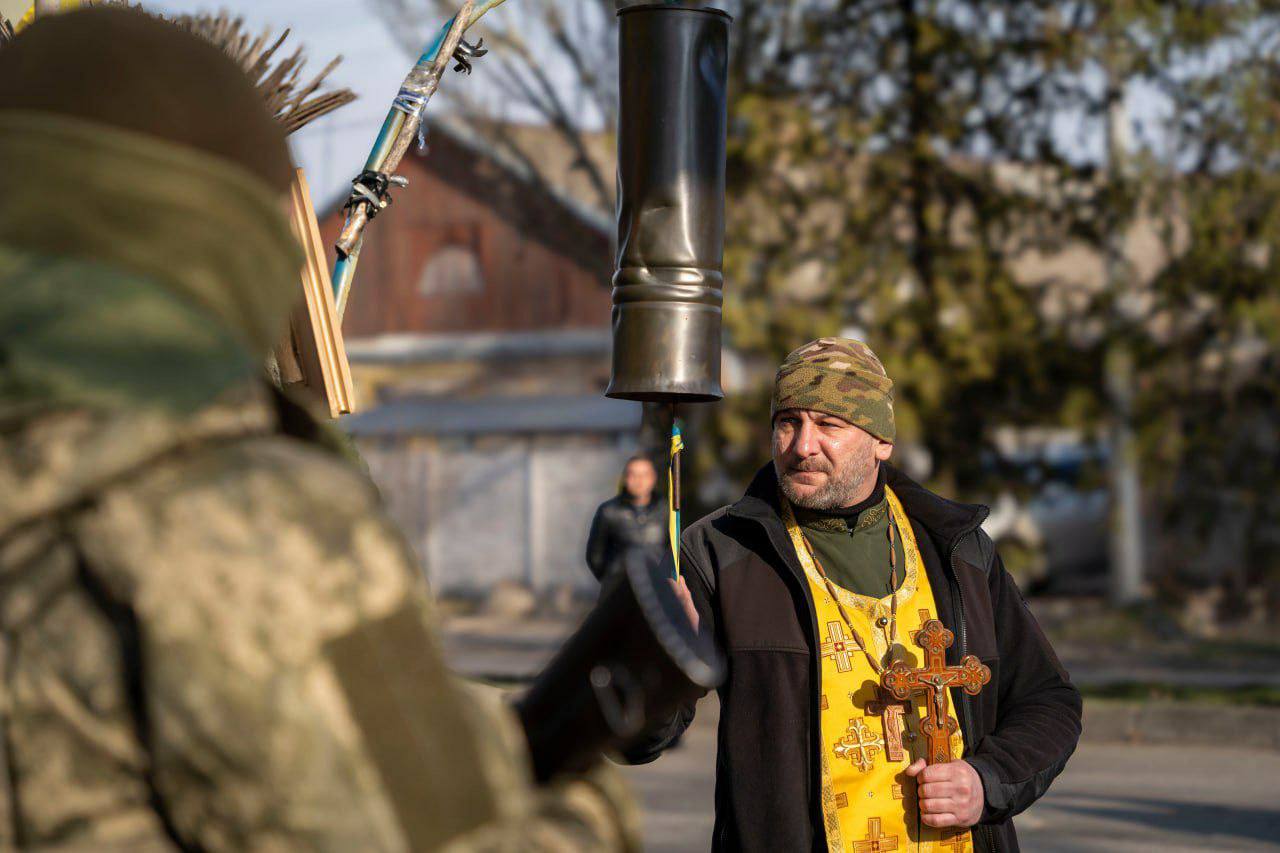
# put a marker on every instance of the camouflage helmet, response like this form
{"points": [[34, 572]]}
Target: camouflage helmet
{"points": [[841, 377]]}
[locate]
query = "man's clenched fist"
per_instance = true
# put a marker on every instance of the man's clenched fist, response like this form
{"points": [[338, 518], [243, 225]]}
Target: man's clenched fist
{"points": [[949, 794]]}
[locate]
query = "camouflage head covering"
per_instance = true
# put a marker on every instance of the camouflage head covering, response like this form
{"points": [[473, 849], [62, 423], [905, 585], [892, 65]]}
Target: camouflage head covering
{"points": [[841, 377], [145, 260]]}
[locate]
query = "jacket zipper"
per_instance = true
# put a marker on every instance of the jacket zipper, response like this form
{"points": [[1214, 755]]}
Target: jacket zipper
{"points": [[970, 741], [780, 546]]}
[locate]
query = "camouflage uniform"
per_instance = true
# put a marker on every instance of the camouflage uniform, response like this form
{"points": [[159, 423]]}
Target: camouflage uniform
{"points": [[173, 592], [211, 636], [841, 377]]}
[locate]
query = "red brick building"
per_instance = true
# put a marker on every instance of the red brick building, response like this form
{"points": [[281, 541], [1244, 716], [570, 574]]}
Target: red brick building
{"points": [[472, 245], [478, 331]]}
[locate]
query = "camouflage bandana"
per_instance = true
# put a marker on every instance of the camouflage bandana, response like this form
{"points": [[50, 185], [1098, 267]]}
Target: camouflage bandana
{"points": [[841, 377]]}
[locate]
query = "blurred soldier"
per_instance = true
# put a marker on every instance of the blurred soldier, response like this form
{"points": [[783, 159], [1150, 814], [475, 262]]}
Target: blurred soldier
{"points": [[632, 519], [212, 636], [816, 581]]}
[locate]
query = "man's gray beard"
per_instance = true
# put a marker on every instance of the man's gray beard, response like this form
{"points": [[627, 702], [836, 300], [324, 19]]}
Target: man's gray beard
{"points": [[835, 494]]}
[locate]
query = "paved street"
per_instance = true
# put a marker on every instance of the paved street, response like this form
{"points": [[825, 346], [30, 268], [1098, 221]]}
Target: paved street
{"points": [[1111, 798], [484, 645]]}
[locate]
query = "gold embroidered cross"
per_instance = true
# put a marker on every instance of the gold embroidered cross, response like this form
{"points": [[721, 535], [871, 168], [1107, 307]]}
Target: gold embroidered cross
{"points": [[957, 841], [876, 841], [860, 745], [837, 647]]}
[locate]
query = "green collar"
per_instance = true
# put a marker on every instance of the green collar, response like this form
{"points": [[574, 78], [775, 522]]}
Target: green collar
{"points": [[828, 523]]}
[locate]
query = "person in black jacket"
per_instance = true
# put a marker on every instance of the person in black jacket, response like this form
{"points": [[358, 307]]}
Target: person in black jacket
{"points": [[819, 521], [635, 518]]}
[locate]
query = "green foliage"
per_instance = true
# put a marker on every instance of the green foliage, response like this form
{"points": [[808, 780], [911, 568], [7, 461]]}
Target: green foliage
{"points": [[902, 169], [1208, 403], [889, 163]]}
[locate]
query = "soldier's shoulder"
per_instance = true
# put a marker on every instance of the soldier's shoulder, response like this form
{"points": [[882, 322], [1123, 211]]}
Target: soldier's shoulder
{"points": [[289, 479], [263, 535]]}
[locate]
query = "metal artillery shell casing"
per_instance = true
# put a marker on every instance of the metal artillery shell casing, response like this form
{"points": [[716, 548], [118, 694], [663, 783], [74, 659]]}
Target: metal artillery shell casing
{"points": [[667, 284]]}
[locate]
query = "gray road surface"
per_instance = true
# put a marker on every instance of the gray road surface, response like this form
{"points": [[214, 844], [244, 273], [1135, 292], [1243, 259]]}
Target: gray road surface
{"points": [[1110, 798], [507, 649]]}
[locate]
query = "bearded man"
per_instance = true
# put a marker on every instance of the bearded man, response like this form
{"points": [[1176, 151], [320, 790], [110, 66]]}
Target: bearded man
{"points": [[814, 583]]}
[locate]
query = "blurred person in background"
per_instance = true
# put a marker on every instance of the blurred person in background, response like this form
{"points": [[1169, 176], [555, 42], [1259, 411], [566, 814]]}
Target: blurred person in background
{"points": [[214, 638], [816, 581], [635, 518]]}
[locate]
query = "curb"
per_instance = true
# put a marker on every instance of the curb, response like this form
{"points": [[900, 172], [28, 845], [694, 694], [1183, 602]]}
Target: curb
{"points": [[1178, 723]]}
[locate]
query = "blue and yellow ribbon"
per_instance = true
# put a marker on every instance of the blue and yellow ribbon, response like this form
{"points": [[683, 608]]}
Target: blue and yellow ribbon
{"points": [[673, 495]]}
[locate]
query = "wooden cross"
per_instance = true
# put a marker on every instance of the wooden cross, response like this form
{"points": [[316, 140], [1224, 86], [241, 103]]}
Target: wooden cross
{"points": [[924, 619], [859, 746], [837, 647], [876, 841], [892, 713], [932, 680]]}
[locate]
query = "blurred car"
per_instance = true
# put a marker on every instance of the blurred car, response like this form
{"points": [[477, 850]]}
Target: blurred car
{"points": [[1049, 518]]}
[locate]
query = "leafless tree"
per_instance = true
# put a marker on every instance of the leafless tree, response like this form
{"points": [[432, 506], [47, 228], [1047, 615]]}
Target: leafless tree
{"points": [[550, 64]]}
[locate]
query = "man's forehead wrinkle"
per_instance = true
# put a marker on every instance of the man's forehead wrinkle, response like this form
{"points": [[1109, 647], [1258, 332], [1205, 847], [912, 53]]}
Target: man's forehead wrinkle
{"points": [[813, 413]]}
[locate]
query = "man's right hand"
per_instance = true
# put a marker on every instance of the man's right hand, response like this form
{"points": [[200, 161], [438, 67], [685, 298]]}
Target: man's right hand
{"points": [[685, 598]]}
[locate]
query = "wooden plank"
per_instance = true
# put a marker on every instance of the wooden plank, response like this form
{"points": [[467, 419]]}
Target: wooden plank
{"points": [[316, 328]]}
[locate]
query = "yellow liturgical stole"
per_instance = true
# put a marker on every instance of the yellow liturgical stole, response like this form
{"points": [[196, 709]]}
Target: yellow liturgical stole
{"points": [[868, 737]]}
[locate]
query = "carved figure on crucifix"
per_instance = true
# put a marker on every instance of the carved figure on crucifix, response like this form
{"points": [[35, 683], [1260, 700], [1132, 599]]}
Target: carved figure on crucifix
{"points": [[837, 647], [860, 745], [932, 680]]}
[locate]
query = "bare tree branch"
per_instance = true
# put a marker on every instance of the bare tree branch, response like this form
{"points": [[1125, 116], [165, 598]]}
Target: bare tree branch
{"points": [[543, 60]]}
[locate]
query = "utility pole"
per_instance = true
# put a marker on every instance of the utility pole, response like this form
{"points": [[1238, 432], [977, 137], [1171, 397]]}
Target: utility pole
{"points": [[1126, 541]]}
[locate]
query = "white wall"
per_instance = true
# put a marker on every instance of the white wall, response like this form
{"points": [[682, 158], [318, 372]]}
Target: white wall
{"points": [[515, 508]]}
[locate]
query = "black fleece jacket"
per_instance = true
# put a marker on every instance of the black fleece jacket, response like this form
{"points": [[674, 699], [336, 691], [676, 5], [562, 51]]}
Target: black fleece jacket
{"points": [[620, 526], [751, 591]]}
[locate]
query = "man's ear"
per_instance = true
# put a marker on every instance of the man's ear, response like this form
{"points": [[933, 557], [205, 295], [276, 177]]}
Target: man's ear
{"points": [[884, 450]]}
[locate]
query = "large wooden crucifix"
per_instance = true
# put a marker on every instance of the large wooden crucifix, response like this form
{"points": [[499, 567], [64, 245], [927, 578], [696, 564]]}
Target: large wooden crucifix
{"points": [[931, 681]]}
